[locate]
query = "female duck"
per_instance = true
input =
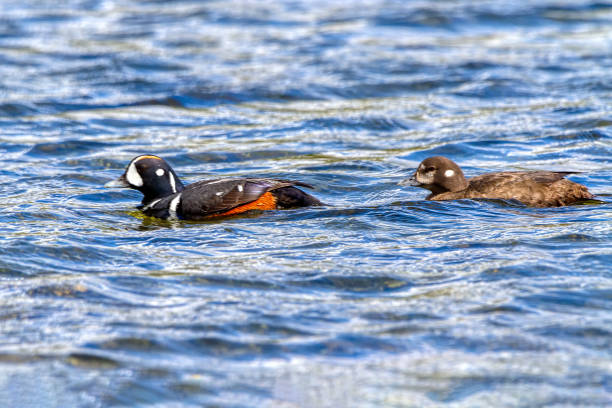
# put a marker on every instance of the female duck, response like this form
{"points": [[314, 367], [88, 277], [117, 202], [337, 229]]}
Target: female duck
{"points": [[446, 181]]}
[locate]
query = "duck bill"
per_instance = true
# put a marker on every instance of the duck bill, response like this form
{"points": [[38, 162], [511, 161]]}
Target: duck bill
{"points": [[121, 182], [410, 181]]}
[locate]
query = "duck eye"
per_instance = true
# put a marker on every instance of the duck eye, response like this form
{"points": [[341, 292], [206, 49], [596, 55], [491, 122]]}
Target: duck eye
{"points": [[431, 168]]}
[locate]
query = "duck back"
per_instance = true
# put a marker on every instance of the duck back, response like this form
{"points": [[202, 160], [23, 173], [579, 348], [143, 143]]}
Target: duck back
{"points": [[533, 188]]}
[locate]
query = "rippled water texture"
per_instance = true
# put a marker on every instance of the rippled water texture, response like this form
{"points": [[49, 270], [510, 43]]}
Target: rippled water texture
{"points": [[380, 299]]}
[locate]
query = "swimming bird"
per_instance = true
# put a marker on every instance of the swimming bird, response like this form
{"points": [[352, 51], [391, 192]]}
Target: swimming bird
{"points": [[166, 197], [446, 181]]}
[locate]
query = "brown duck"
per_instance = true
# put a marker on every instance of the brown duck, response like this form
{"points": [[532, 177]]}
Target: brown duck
{"points": [[446, 181]]}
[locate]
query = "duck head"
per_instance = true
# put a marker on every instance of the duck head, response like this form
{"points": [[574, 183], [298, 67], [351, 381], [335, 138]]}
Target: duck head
{"points": [[150, 175], [438, 175]]}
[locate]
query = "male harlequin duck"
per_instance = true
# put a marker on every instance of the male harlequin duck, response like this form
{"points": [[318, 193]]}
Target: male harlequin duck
{"points": [[166, 197], [445, 180]]}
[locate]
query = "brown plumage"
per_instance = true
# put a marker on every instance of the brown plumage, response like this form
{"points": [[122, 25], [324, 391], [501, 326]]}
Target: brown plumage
{"points": [[446, 181]]}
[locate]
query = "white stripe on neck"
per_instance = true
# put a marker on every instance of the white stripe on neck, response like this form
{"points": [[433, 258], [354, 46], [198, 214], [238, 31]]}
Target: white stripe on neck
{"points": [[173, 206], [172, 181]]}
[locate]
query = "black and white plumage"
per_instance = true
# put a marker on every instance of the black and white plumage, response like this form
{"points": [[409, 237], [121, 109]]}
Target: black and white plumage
{"points": [[446, 181], [166, 197]]}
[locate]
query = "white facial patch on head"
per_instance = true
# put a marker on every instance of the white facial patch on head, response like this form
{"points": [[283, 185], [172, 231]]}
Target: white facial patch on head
{"points": [[132, 176], [425, 178], [449, 173], [160, 172]]}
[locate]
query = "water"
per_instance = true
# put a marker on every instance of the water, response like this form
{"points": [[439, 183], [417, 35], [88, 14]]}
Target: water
{"points": [[379, 298]]}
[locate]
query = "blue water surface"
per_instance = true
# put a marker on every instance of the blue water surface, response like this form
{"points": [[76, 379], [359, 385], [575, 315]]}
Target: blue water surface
{"points": [[378, 299]]}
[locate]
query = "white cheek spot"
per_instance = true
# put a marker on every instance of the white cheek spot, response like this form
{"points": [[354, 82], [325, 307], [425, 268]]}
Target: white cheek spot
{"points": [[173, 206], [133, 177], [160, 172], [219, 193], [449, 173], [240, 188], [172, 182]]}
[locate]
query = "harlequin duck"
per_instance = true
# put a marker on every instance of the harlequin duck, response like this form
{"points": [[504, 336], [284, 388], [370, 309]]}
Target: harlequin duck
{"points": [[166, 197], [445, 180]]}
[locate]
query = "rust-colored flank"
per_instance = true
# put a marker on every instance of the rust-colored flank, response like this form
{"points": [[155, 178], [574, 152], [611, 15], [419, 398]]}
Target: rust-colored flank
{"points": [[266, 202]]}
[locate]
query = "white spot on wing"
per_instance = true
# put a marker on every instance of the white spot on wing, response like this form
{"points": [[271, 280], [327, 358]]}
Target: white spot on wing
{"points": [[173, 206], [172, 182], [449, 173], [240, 188], [132, 176], [160, 172], [219, 193]]}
